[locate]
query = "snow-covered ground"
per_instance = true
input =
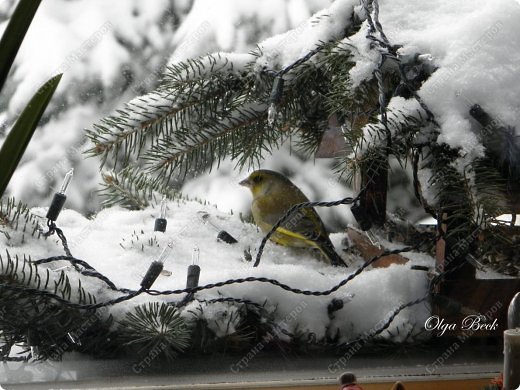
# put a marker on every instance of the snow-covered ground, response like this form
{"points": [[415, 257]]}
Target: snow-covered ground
{"points": [[121, 244]]}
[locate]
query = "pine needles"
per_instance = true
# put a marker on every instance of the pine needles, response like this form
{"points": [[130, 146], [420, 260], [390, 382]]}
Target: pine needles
{"points": [[24, 310], [16, 216], [155, 327], [215, 107]]}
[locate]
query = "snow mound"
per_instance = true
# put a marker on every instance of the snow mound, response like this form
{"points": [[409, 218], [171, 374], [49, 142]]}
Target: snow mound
{"points": [[121, 244]]}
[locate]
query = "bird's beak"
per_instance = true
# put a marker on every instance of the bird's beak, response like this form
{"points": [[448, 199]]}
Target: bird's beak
{"points": [[245, 182]]}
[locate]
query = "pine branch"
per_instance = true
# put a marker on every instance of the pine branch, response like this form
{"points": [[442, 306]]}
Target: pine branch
{"points": [[16, 216], [155, 328], [126, 189], [23, 272], [451, 189], [25, 312], [488, 191], [215, 140], [216, 106], [239, 328]]}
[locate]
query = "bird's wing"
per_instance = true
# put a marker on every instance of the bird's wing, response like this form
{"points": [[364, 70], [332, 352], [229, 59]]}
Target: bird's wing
{"points": [[304, 223], [307, 223], [304, 226]]}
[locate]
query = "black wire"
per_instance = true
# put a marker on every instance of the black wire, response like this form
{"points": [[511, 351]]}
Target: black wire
{"points": [[436, 280], [65, 302], [209, 286], [231, 300], [374, 25], [388, 51], [301, 60], [15, 359], [88, 271], [371, 335], [54, 229], [292, 210], [64, 242]]}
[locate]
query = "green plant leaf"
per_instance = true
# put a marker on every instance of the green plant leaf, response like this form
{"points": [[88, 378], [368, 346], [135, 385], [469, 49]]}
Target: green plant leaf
{"points": [[22, 131], [14, 34]]}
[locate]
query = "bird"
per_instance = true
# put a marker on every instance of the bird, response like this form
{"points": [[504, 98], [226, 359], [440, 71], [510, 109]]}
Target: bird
{"points": [[273, 195]]}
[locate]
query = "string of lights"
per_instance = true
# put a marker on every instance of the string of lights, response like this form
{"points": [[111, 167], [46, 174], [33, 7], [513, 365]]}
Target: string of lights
{"points": [[192, 288]]}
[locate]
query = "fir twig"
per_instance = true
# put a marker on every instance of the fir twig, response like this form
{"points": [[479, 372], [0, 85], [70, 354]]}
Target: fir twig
{"points": [[155, 327]]}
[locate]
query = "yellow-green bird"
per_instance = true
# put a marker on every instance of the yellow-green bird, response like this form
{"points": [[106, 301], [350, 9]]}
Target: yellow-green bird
{"points": [[273, 196]]}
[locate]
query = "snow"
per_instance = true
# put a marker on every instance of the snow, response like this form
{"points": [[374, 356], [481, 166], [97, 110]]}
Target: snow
{"points": [[314, 178], [474, 44], [506, 218], [276, 52], [121, 244], [56, 147], [326, 25], [231, 25], [98, 46], [88, 45]]}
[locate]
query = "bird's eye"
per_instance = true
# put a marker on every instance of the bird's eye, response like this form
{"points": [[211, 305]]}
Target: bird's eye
{"points": [[257, 179]]}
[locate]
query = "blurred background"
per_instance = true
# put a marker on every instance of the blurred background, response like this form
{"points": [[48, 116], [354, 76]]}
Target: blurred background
{"points": [[111, 52]]}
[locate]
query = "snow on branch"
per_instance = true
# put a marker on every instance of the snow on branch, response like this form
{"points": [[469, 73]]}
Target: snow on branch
{"points": [[205, 108]]}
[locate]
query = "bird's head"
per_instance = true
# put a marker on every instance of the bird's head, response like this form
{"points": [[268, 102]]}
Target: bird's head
{"points": [[264, 181]]}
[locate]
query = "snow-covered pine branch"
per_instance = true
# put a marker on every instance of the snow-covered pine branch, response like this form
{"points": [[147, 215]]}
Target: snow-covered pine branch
{"points": [[216, 106]]}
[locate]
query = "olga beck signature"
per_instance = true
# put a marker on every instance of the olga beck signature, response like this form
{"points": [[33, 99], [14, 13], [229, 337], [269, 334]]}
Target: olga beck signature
{"points": [[473, 323]]}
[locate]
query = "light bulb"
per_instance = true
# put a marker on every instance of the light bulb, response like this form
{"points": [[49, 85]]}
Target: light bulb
{"points": [[205, 219], [165, 252], [164, 208], [195, 256], [66, 181], [156, 267]]}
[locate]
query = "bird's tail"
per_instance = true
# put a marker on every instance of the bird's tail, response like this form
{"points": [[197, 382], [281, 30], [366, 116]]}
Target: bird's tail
{"points": [[328, 250]]}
